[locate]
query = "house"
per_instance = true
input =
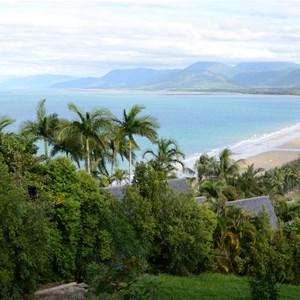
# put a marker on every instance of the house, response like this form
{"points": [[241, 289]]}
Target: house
{"points": [[177, 185], [253, 205], [200, 200]]}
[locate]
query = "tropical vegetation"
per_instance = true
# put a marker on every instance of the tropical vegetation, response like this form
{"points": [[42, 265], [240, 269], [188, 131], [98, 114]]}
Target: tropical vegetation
{"points": [[167, 157], [58, 223], [43, 127], [132, 124]]}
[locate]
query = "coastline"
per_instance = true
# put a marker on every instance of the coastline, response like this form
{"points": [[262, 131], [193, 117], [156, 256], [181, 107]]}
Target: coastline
{"points": [[280, 155], [267, 151], [279, 149], [190, 122], [272, 159]]}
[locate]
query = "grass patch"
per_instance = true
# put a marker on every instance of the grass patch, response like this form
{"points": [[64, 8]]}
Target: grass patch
{"points": [[214, 286]]}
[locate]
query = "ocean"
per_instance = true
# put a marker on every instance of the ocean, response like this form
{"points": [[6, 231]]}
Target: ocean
{"points": [[201, 123]]}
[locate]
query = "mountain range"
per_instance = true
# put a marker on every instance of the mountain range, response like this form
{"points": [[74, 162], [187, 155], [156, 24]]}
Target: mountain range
{"points": [[200, 76]]}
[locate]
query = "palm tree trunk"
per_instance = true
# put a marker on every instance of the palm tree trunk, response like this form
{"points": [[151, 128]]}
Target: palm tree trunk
{"points": [[113, 163], [46, 148], [88, 160], [112, 168], [130, 158]]}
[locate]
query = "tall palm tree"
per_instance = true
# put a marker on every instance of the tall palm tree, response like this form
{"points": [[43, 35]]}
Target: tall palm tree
{"points": [[167, 155], [90, 128], [274, 181], [4, 122], [227, 167], [69, 144], [249, 182], [206, 167], [221, 170], [132, 124], [117, 145], [43, 127]]}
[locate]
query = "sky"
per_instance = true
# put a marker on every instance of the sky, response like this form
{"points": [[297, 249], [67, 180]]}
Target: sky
{"points": [[91, 37]]}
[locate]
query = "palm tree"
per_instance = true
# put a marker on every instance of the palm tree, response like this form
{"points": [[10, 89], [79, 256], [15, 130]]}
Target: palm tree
{"points": [[117, 145], [227, 167], [4, 122], [90, 128], [132, 125], [167, 155], [120, 175], [249, 182], [287, 212], [212, 188], [69, 144], [233, 236], [206, 167], [43, 127], [274, 181], [218, 206]]}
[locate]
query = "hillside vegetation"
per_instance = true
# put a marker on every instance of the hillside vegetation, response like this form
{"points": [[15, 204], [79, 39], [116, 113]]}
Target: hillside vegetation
{"points": [[59, 224]]}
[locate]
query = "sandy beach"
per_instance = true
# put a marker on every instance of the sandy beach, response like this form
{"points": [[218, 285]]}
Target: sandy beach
{"points": [[267, 151], [272, 159], [280, 148]]}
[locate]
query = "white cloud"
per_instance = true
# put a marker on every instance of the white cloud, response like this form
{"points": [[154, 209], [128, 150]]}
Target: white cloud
{"points": [[92, 37]]}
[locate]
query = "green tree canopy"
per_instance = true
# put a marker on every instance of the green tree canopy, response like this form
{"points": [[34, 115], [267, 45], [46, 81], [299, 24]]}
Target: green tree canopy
{"points": [[90, 128], [25, 238], [4, 122], [132, 124], [166, 156], [43, 128]]}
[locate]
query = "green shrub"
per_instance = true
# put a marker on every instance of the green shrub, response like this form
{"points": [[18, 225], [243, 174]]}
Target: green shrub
{"points": [[76, 217], [292, 235], [25, 239], [263, 289], [175, 229], [88, 227], [124, 280]]}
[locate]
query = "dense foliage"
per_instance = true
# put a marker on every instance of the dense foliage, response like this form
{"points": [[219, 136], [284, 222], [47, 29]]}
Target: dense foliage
{"points": [[177, 231], [247, 244], [25, 238], [58, 224]]}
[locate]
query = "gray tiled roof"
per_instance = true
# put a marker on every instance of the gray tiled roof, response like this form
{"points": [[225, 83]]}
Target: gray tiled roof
{"points": [[116, 191], [256, 205], [177, 185], [201, 199]]}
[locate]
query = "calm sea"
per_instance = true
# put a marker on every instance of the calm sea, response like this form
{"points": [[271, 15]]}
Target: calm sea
{"points": [[200, 123]]}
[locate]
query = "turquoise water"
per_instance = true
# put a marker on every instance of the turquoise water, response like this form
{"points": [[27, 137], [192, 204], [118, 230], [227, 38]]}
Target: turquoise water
{"points": [[200, 123]]}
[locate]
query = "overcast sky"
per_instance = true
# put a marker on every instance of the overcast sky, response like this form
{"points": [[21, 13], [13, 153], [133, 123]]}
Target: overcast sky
{"points": [[90, 38]]}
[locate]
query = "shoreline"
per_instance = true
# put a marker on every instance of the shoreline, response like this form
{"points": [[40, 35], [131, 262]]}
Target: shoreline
{"points": [[272, 159], [163, 92], [281, 153], [280, 149], [267, 151]]}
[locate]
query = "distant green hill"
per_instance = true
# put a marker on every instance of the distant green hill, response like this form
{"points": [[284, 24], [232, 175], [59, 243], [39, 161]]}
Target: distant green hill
{"points": [[290, 80], [198, 76], [202, 76]]}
